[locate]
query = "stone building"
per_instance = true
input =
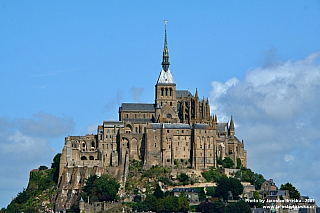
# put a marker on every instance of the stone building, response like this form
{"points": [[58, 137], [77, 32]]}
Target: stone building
{"points": [[176, 129]]}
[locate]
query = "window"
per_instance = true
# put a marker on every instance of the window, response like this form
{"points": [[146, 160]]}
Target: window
{"points": [[155, 144], [169, 115], [166, 91], [161, 92], [170, 103], [168, 131], [177, 131], [182, 131], [170, 93], [135, 115]]}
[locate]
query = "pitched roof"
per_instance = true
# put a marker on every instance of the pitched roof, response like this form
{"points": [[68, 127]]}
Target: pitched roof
{"points": [[185, 190], [183, 93], [136, 107], [165, 77], [169, 126], [222, 127]]}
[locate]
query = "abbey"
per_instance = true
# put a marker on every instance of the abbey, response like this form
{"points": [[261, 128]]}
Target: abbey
{"points": [[176, 130]]}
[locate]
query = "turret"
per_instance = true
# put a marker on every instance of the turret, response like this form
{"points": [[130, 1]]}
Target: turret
{"points": [[231, 127]]}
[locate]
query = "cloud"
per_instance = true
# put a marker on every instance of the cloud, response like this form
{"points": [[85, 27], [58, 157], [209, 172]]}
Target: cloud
{"points": [[46, 125], [91, 129], [24, 145], [115, 101], [276, 110], [137, 92]]}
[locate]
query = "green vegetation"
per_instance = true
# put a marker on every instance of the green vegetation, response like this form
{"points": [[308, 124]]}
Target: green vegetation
{"points": [[246, 175], [166, 204], [42, 185], [104, 188], [213, 175], [224, 185], [239, 164], [43, 182], [293, 192], [238, 207], [226, 162], [210, 207]]}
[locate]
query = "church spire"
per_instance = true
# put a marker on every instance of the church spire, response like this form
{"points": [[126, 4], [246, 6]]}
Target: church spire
{"points": [[231, 127], [165, 54]]}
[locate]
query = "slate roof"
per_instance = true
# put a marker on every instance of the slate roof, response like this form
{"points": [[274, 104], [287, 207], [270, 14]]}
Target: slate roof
{"points": [[201, 126], [165, 77], [222, 127], [169, 126], [185, 190], [137, 120], [136, 107], [183, 93], [112, 123]]}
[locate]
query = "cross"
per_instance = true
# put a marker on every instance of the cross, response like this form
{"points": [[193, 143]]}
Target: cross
{"points": [[165, 22]]}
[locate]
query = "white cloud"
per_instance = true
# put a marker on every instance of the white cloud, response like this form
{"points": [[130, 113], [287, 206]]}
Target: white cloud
{"points": [[276, 109], [288, 158], [91, 129], [24, 145]]}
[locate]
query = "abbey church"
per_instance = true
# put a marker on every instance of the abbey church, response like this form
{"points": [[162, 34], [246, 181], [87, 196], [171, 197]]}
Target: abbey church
{"points": [[177, 129]]}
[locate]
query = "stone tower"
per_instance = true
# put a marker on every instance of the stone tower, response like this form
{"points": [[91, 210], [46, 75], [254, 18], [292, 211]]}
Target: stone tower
{"points": [[165, 94]]}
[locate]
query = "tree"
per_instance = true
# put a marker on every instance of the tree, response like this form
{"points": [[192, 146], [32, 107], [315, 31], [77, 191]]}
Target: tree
{"points": [[55, 166], [293, 192], [238, 207], [239, 164], [171, 204], [235, 186], [104, 188], [159, 205], [151, 202], [257, 180], [42, 168], [158, 193], [206, 207], [224, 185], [213, 175], [183, 204], [211, 191], [227, 162], [202, 194], [222, 188], [184, 178]]}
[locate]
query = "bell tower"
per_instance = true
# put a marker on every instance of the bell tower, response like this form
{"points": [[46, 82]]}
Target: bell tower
{"points": [[165, 87]]}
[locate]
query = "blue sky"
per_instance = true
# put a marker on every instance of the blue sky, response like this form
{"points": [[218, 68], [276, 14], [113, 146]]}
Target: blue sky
{"points": [[65, 67]]}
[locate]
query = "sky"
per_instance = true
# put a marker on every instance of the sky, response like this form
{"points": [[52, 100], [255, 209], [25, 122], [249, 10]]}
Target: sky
{"points": [[66, 66]]}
